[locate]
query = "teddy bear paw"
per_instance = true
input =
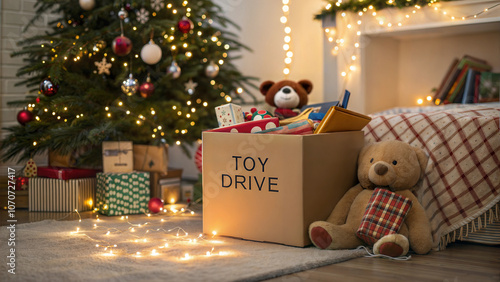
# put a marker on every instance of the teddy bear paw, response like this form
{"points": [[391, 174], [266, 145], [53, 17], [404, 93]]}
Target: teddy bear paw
{"points": [[320, 237], [393, 245]]}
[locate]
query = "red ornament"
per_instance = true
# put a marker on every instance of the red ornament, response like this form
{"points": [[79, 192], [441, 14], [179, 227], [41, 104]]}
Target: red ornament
{"points": [[24, 116], [122, 45], [48, 88], [128, 7], [185, 25], [155, 205], [37, 100], [22, 183], [147, 88]]}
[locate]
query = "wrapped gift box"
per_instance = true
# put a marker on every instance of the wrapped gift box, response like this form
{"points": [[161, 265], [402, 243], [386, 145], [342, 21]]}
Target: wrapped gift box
{"points": [[122, 193], [117, 157], [56, 195], [151, 158], [65, 173], [249, 126], [156, 177], [275, 184], [229, 114]]}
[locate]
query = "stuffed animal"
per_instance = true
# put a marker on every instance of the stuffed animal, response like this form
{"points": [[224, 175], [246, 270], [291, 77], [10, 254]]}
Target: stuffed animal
{"points": [[286, 95], [396, 167]]}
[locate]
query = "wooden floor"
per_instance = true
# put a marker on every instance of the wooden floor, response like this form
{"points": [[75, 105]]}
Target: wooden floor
{"points": [[459, 262]]}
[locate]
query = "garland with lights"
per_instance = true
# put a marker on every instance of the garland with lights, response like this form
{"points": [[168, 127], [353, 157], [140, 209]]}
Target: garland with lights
{"points": [[347, 39], [149, 71], [334, 6]]}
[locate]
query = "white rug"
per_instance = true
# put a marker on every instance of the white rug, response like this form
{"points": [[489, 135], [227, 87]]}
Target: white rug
{"points": [[49, 251]]}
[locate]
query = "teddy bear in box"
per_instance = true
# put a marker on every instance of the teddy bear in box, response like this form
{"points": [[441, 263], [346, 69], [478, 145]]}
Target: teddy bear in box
{"points": [[286, 95], [387, 167]]}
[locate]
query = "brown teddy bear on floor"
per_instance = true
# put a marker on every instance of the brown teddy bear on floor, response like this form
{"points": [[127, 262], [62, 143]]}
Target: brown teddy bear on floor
{"points": [[392, 165], [286, 95]]}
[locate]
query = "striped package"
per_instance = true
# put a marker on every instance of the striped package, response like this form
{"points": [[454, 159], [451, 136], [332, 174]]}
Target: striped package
{"points": [[384, 215], [122, 193], [301, 127], [56, 195]]}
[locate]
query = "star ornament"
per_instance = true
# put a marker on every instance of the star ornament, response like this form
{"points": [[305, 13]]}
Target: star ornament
{"points": [[190, 86], [103, 66]]}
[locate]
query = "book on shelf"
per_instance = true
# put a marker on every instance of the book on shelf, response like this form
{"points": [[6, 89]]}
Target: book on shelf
{"points": [[489, 87], [448, 78], [476, 88], [452, 88], [469, 87]]}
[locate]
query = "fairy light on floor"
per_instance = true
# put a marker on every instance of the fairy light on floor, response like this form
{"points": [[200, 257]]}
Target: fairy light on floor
{"points": [[354, 25], [150, 236]]}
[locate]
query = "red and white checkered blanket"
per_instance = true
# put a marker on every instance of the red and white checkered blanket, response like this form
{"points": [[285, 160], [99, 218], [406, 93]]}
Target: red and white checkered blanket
{"points": [[462, 179]]}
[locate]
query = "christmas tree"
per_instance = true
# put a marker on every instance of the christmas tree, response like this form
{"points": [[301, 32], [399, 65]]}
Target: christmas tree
{"points": [[148, 71]]}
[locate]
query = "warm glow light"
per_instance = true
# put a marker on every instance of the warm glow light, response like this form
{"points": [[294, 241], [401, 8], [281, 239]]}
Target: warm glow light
{"points": [[420, 101], [429, 98]]}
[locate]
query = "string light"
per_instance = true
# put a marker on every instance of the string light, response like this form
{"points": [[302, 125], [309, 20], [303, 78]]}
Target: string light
{"points": [[111, 112], [287, 39], [340, 43]]}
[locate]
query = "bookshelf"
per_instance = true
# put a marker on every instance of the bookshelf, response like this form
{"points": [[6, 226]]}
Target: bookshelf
{"points": [[397, 65]]}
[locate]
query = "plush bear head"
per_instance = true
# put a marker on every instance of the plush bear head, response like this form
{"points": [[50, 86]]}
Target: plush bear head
{"points": [[392, 164], [286, 94]]}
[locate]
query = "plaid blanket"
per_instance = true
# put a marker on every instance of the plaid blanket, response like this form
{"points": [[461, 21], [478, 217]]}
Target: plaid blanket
{"points": [[462, 179]]}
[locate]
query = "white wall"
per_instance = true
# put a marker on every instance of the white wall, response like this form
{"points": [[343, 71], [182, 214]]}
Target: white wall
{"points": [[262, 31], [14, 15]]}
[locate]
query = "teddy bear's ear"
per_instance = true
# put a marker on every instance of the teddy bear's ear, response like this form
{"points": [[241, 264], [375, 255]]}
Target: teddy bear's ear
{"points": [[264, 87], [422, 159], [308, 86]]}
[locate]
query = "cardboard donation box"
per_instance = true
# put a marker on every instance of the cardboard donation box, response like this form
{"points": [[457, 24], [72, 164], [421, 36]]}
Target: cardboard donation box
{"points": [[268, 187]]}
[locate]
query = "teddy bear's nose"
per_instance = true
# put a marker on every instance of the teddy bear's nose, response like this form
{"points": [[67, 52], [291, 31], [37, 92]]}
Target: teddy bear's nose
{"points": [[287, 90], [380, 169]]}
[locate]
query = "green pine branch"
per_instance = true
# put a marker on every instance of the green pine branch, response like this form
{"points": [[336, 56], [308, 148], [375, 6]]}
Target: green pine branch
{"points": [[90, 107]]}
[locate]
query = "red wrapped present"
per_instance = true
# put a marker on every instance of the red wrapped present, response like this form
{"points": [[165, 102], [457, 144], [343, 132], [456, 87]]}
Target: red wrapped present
{"points": [[249, 126], [384, 215], [66, 173]]}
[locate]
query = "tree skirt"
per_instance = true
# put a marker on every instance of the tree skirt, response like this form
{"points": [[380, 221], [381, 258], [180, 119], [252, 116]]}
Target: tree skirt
{"points": [[166, 248]]}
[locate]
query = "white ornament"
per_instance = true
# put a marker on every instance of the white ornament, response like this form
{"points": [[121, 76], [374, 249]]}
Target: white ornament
{"points": [[122, 14], [190, 86], [142, 16], [157, 5], [151, 53], [87, 5], [103, 66], [212, 70]]}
